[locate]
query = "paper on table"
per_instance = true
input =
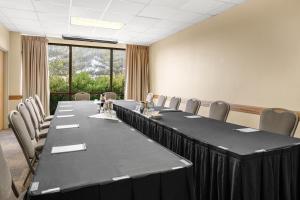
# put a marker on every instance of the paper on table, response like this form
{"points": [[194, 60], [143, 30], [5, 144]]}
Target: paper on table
{"points": [[104, 116], [167, 109], [193, 116], [65, 110], [68, 148], [67, 126], [65, 106], [64, 116], [247, 130]]}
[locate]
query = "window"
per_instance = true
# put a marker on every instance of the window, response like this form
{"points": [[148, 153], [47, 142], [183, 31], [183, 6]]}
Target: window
{"points": [[89, 69]]}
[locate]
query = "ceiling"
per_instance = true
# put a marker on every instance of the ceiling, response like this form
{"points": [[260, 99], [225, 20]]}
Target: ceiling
{"points": [[145, 21]]}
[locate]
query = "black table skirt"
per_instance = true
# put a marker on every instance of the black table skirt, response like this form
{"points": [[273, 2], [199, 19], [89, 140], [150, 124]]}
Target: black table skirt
{"points": [[220, 175], [171, 185]]}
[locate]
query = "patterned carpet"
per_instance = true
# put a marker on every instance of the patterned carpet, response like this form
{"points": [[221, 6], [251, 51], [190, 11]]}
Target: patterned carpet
{"points": [[15, 158]]}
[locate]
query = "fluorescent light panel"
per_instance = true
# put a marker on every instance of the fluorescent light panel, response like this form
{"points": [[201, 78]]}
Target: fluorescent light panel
{"points": [[95, 23]]}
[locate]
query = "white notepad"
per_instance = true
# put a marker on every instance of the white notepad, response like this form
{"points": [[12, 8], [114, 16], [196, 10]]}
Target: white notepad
{"points": [[193, 117], [167, 109], [65, 106], [247, 130], [104, 116], [68, 148], [67, 126], [64, 116], [65, 110]]}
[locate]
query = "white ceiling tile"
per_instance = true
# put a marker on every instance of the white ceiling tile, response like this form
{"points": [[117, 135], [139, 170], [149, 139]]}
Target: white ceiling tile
{"points": [[169, 3], [50, 8], [16, 4], [118, 17], [184, 16], [119, 6], [140, 1], [162, 12], [52, 17], [103, 32], [16, 13], [92, 4], [202, 6], [26, 22], [85, 12], [80, 30], [56, 2], [145, 21]]}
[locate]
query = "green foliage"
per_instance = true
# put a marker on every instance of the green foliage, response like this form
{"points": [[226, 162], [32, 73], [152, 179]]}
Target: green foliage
{"points": [[58, 84]]}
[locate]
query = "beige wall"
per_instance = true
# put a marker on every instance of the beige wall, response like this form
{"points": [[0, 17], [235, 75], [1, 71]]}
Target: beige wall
{"points": [[249, 55], [4, 46], [4, 38]]}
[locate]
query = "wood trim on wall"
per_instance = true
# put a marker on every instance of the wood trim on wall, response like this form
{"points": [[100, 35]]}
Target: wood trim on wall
{"points": [[238, 107], [15, 97]]}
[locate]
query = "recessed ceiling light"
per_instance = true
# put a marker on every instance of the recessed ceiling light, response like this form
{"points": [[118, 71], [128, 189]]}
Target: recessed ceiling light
{"points": [[95, 23]]}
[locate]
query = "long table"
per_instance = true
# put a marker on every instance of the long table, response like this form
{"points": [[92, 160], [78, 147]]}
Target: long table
{"points": [[228, 164], [119, 162]]}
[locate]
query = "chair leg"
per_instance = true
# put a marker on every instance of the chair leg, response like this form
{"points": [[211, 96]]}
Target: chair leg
{"points": [[15, 190], [28, 174]]}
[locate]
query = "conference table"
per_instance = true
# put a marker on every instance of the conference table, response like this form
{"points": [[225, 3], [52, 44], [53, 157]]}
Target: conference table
{"points": [[230, 162], [115, 162]]}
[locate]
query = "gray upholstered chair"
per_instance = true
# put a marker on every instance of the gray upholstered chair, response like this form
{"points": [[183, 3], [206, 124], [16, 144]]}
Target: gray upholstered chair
{"points": [[42, 111], [110, 95], [219, 110], [280, 121], [40, 131], [8, 189], [161, 101], [43, 124], [149, 97], [37, 142], [82, 96], [19, 128], [192, 106], [174, 103]]}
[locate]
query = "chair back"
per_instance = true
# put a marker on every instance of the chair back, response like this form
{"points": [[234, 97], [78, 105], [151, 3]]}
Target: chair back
{"points": [[18, 126], [82, 96], [149, 97], [280, 121], [192, 106], [32, 114], [27, 119], [174, 103], [40, 105], [36, 110], [6, 183], [219, 110], [110, 95], [161, 101]]}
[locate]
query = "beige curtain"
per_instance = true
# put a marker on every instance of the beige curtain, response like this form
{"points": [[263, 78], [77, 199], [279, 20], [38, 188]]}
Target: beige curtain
{"points": [[137, 64], [35, 68]]}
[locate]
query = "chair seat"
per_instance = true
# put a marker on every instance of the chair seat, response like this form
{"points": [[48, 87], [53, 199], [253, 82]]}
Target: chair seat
{"points": [[45, 125], [43, 133], [49, 118]]}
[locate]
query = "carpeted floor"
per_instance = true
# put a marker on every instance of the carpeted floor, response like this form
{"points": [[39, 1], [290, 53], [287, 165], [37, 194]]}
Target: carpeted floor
{"points": [[15, 158]]}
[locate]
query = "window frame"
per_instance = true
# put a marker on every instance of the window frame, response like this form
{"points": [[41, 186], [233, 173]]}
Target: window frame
{"points": [[70, 93]]}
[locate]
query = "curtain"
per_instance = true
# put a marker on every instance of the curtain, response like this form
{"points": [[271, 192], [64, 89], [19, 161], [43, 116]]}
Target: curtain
{"points": [[35, 69], [137, 64]]}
